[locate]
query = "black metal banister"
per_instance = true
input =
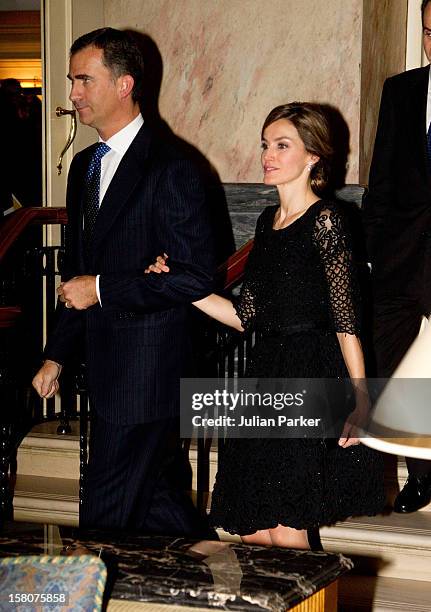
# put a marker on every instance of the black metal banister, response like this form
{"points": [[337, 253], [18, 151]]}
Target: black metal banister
{"points": [[15, 224]]}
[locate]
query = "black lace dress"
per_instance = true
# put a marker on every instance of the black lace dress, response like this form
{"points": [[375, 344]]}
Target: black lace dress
{"points": [[299, 290]]}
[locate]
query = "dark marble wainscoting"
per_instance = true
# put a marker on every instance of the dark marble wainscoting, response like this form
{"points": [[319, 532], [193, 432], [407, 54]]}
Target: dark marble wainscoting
{"points": [[245, 202]]}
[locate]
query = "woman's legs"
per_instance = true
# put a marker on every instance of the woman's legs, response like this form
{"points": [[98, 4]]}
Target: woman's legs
{"points": [[287, 537], [259, 538]]}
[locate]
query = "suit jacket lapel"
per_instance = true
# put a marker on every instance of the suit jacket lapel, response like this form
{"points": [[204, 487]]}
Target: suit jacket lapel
{"points": [[124, 181], [418, 96]]}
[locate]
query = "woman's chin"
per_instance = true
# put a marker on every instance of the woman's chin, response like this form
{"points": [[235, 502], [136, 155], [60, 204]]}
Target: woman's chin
{"points": [[269, 180]]}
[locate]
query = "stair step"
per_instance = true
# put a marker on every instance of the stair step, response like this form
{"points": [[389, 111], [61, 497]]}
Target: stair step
{"points": [[43, 447], [49, 430], [40, 499], [392, 545], [45, 453], [378, 594]]}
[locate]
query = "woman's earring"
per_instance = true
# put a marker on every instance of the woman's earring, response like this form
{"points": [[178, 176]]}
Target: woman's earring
{"points": [[309, 166]]}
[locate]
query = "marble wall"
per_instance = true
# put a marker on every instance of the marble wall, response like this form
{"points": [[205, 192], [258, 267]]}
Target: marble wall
{"points": [[228, 62]]}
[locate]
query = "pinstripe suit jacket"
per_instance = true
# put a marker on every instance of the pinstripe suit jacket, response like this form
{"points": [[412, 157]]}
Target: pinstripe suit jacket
{"points": [[397, 208], [136, 343]]}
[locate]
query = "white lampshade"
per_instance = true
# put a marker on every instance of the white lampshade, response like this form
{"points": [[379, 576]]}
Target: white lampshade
{"points": [[401, 421]]}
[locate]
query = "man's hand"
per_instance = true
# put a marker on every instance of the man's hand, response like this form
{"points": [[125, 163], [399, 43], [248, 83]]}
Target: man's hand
{"points": [[79, 292], [46, 380]]}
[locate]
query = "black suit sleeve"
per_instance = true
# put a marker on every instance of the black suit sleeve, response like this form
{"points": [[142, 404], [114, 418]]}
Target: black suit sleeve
{"points": [[68, 334], [182, 230], [381, 181]]}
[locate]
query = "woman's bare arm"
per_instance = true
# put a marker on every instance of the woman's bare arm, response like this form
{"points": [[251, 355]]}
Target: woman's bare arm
{"points": [[213, 305], [351, 350], [221, 309]]}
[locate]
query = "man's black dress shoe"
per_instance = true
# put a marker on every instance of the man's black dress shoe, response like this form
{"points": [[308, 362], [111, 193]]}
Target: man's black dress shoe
{"points": [[415, 494]]}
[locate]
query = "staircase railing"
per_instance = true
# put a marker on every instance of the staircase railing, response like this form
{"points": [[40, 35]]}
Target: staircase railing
{"points": [[29, 273], [29, 270]]}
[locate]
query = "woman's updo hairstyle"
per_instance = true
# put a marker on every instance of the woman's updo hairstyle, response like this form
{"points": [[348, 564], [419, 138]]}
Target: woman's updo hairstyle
{"points": [[313, 129]]}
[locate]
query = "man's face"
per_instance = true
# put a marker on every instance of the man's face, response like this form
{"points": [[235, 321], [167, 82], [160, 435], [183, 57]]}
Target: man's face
{"points": [[95, 91], [427, 31]]}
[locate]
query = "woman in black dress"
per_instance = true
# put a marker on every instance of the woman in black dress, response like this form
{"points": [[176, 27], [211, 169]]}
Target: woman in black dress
{"points": [[300, 294]]}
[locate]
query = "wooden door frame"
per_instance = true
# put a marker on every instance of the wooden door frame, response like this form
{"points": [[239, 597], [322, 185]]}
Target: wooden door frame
{"points": [[62, 21], [415, 55]]}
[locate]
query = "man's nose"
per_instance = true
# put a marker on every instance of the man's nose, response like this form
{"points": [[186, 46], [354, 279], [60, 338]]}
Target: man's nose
{"points": [[74, 92]]}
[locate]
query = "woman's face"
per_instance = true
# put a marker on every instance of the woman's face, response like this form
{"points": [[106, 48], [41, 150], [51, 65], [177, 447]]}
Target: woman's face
{"points": [[284, 157]]}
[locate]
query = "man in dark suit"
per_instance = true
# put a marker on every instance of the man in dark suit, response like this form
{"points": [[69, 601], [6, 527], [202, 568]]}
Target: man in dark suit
{"points": [[133, 325], [397, 217]]}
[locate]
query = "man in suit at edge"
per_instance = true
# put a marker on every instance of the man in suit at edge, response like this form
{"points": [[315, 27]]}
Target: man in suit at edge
{"points": [[397, 218], [133, 324]]}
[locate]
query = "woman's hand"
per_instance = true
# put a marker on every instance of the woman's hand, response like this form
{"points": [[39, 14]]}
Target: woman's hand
{"points": [[351, 350], [356, 421], [159, 265]]}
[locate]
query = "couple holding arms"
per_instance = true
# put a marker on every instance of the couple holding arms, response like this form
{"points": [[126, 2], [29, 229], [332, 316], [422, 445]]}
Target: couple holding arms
{"points": [[299, 292]]}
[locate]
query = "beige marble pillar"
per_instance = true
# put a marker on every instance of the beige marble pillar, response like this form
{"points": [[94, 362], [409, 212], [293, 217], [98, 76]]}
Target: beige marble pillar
{"points": [[226, 63]]}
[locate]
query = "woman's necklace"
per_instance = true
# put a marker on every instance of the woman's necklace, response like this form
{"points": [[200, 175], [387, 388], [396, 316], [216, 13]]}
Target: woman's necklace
{"points": [[289, 218]]}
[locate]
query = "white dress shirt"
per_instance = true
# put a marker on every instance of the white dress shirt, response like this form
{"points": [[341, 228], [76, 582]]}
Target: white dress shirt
{"points": [[428, 116], [118, 143]]}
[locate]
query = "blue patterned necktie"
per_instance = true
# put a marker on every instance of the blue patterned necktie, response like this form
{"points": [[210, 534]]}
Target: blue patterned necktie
{"points": [[92, 193]]}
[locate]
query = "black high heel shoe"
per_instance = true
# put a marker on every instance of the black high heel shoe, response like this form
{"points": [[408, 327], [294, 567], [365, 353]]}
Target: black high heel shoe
{"points": [[314, 540]]}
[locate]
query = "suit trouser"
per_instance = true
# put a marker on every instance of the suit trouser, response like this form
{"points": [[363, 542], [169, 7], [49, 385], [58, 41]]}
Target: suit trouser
{"points": [[396, 323], [136, 479]]}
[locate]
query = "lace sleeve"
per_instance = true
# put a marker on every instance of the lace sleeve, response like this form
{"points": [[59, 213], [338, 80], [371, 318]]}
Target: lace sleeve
{"points": [[332, 240], [245, 303]]}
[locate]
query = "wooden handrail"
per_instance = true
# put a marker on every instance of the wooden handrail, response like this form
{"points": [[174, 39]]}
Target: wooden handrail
{"points": [[10, 230], [229, 273], [8, 316], [14, 225]]}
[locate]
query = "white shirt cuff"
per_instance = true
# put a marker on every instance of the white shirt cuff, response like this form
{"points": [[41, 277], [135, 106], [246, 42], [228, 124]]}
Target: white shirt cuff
{"points": [[98, 289]]}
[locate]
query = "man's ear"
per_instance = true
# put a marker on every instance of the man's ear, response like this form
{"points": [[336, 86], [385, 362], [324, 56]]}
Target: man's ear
{"points": [[125, 85]]}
